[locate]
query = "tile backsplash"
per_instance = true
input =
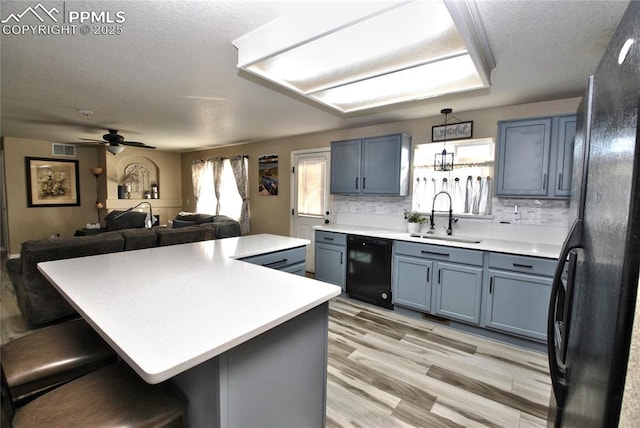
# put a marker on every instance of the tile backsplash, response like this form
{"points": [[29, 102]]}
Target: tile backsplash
{"points": [[387, 211]]}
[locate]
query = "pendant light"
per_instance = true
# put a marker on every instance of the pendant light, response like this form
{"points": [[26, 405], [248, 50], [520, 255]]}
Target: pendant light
{"points": [[444, 161]]}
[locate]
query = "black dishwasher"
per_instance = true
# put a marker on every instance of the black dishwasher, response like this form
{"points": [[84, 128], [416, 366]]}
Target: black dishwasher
{"points": [[369, 270]]}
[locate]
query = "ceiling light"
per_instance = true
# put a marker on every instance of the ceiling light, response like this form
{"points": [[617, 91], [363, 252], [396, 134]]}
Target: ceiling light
{"points": [[114, 150], [358, 55]]}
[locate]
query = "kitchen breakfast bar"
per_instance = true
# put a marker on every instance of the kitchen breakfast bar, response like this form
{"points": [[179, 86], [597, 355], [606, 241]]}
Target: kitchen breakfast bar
{"points": [[246, 345]]}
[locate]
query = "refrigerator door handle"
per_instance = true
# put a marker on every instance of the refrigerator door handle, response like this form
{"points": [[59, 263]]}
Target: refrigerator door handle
{"points": [[558, 382]]}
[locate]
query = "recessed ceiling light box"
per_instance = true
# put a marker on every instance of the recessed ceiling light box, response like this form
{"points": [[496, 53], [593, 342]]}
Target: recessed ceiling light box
{"points": [[354, 56]]}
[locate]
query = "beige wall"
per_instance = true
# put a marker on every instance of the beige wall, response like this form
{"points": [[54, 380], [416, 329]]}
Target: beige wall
{"points": [[36, 223], [271, 214], [25, 223]]}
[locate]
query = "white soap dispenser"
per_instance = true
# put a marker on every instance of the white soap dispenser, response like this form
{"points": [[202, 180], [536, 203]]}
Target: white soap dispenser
{"points": [[516, 215]]}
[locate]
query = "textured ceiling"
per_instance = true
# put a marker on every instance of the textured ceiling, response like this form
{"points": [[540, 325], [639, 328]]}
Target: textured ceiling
{"points": [[170, 80]]}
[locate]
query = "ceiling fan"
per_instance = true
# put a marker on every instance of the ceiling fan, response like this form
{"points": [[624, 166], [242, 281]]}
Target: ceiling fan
{"points": [[116, 142]]}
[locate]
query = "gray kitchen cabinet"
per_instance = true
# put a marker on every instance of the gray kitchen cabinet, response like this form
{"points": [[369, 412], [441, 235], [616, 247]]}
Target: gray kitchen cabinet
{"points": [[517, 298], [534, 157], [371, 166], [436, 279], [564, 155], [458, 292], [412, 282], [330, 258], [293, 260]]}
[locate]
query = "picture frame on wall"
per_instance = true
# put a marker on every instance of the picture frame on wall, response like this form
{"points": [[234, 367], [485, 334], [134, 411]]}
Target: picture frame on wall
{"points": [[52, 182], [268, 173], [452, 131]]}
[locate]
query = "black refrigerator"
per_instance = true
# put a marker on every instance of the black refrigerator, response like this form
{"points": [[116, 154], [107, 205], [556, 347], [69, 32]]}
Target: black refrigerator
{"points": [[593, 297]]}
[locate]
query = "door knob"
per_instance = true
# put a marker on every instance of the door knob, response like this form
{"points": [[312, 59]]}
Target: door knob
{"points": [[326, 221]]}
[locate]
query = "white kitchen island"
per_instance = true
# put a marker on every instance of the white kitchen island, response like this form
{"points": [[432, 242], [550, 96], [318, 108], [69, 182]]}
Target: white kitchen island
{"points": [[246, 345]]}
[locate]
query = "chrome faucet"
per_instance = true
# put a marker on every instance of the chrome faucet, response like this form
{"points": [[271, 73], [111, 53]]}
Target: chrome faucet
{"points": [[432, 221]]}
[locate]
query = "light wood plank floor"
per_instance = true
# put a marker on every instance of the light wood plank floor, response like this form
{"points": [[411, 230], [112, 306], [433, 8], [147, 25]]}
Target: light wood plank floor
{"points": [[388, 370]]}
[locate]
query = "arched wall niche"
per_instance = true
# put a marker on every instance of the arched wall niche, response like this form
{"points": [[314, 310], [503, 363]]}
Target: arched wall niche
{"points": [[138, 172]]}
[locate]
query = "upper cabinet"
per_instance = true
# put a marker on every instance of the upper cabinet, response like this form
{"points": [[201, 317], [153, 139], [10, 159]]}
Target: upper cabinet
{"points": [[371, 166], [534, 157]]}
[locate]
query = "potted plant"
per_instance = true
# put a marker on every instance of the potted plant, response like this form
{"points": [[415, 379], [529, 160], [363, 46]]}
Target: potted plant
{"points": [[414, 221]]}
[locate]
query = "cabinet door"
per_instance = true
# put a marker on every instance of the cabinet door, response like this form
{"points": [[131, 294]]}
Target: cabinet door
{"points": [[523, 157], [564, 155], [458, 291], [330, 264], [381, 165], [412, 282], [518, 303], [346, 167]]}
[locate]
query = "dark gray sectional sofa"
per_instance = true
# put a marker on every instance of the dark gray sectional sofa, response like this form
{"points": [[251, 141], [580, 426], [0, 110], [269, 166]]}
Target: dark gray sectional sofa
{"points": [[39, 301]]}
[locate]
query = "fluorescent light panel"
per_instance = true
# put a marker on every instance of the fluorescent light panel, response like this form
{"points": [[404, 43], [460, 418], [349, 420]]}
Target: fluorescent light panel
{"points": [[353, 56]]}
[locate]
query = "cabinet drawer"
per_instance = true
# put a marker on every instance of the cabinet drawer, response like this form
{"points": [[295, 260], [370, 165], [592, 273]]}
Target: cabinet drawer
{"points": [[279, 259], [331, 237], [439, 252], [532, 265]]}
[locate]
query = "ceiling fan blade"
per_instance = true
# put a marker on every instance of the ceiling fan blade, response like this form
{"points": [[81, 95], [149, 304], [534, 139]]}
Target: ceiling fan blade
{"points": [[136, 144], [92, 139]]}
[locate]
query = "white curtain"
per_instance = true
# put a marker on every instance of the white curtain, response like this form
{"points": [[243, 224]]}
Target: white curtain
{"points": [[239, 167], [197, 173], [218, 164]]}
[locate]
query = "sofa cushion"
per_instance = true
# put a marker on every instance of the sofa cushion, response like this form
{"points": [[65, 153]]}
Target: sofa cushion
{"points": [[182, 223], [197, 217], [139, 238], [226, 227], [183, 235], [130, 220]]}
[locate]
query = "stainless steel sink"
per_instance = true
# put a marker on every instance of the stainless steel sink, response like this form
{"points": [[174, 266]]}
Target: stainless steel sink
{"points": [[446, 238]]}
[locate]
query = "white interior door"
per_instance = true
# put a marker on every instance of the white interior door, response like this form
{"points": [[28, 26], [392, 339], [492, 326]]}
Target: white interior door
{"points": [[310, 200]]}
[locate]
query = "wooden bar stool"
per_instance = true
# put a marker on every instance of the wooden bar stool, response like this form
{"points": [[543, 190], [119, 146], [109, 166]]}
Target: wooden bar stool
{"points": [[113, 396], [51, 356]]}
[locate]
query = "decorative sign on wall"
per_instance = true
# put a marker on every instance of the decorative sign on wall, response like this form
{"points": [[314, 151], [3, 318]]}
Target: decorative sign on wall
{"points": [[268, 173], [52, 182], [452, 131]]}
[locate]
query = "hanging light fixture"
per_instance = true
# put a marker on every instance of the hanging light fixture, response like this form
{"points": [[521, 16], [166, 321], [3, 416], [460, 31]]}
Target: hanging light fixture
{"points": [[444, 161]]}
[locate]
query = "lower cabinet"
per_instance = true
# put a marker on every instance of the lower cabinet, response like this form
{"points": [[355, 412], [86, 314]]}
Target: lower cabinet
{"points": [[412, 282], [293, 260], [330, 258], [438, 280], [458, 292], [517, 300]]}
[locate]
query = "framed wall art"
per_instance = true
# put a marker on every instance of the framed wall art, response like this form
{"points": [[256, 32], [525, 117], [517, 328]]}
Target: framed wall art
{"points": [[452, 131], [52, 182], [268, 173]]}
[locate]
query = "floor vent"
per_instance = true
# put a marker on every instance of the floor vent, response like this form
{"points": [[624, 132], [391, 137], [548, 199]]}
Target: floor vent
{"points": [[63, 149]]}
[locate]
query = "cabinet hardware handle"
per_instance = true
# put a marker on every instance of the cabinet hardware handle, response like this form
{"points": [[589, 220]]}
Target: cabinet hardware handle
{"points": [[560, 181], [544, 181], [326, 238], [439, 271], [491, 285], [341, 254], [433, 253], [428, 273], [357, 182], [364, 182], [518, 265], [277, 262]]}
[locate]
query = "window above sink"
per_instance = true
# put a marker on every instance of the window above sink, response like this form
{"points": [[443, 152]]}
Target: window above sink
{"points": [[470, 183]]}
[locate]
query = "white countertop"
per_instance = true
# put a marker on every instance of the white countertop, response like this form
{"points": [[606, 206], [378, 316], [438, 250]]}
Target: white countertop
{"points": [[486, 244], [168, 309]]}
